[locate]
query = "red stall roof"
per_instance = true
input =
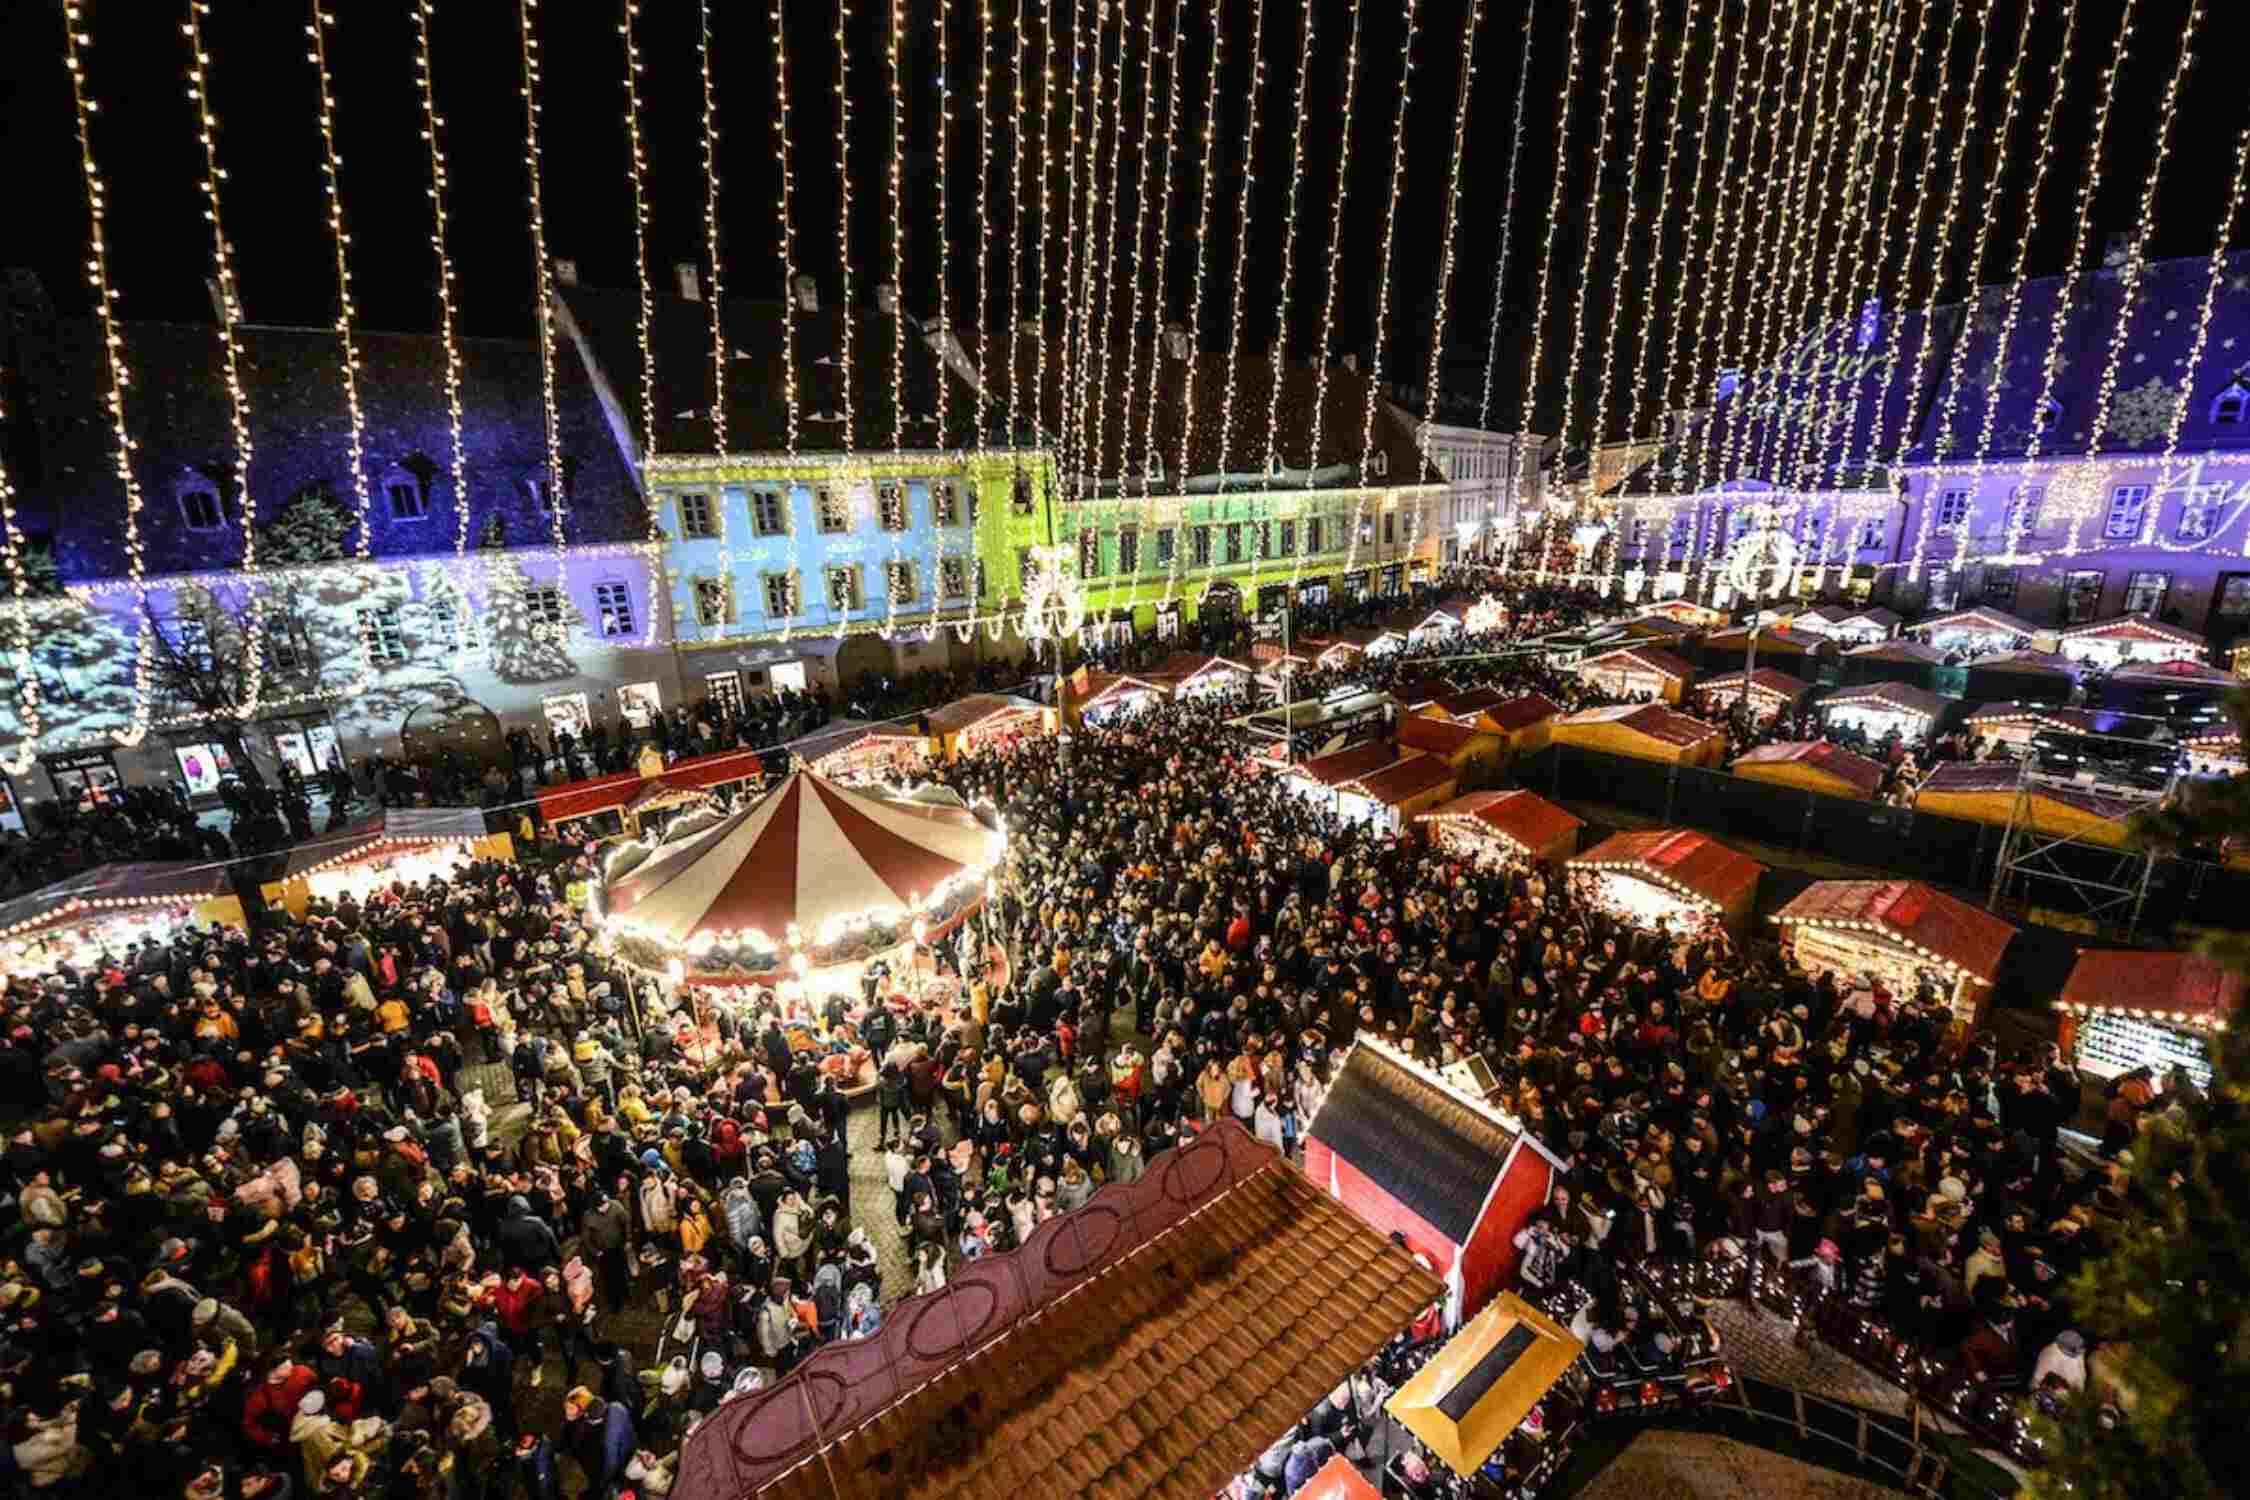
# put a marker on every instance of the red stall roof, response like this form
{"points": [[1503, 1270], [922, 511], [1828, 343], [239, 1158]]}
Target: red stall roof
{"points": [[1965, 936], [1525, 818], [2163, 984], [1681, 857]]}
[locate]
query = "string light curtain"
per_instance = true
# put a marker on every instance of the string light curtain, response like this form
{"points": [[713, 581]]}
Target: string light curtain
{"points": [[1149, 460], [1338, 216], [1660, 220], [1244, 216], [1691, 337], [785, 234], [1195, 301], [1598, 427], [1591, 223], [1507, 205], [30, 723], [527, 12], [456, 458]]}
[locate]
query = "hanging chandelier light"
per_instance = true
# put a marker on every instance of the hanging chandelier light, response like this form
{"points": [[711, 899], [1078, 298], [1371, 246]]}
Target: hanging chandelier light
{"points": [[1764, 557], [1052, 603]]}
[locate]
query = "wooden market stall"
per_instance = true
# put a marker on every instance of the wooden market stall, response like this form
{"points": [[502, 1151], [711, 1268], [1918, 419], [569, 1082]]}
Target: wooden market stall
{"points": [[1883, 709], [854, 752], [2168, 689], [1687, 612], [80, 918], [1661, 630], [1910, 662], [1525, 722], [2024, 676], [1812, 766], [2216, 752], [983, 721], [2126, 1008], [1317, 778], [1505, 827], [2131, 638], [1866, 626], [1455, 743], [2015, 725], [1467, 706], [1901, 933], [1986, 792], [1772, 692], [1975, 631], [1644, 672], [1446, 622], [398, 844], [1094, 698], [1648, 731], [1673, 873], [1337, 1479], [1778, 645], [1192, 675], [1483, 1396], [1388, 798], [614, 806]]}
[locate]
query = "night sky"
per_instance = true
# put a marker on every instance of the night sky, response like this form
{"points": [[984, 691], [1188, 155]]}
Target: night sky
{"points": [[265, 92]]}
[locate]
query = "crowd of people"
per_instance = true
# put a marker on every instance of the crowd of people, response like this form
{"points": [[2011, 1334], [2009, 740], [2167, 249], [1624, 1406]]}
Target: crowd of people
{"points": [[278, 1231]]}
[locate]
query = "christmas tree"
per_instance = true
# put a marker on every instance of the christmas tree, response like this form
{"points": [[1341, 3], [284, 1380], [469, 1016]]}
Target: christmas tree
{"points": [[310, 529], [530, 625]]}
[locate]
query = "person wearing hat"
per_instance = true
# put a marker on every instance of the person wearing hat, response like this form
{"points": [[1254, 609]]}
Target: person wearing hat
{"points": [[601, 1438]]}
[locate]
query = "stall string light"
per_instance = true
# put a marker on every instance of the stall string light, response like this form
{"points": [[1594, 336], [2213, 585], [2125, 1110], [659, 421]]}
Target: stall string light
{"points": [[1592, 224], [2136, 258], [1660, 220], [2066, 300], [1507, 214], [786, 243], [1244, 213], [433, 134], [1697, 268], [1195, 301], [526, 14], [230, 353], [1336, 222]]}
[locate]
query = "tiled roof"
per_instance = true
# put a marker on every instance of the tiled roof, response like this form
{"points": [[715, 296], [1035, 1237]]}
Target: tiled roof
{"points": [[1404, 780], [963, 713], [1224, 1296], [1771, 638], [1438, 736], [1820, 755], [1903, 696], [1912, 912], [1652, 719], [2127, 979], [1646, 658], [1681, 855], [1660, 628], [2039, 663], [1771, 679], [1899, 651], [1349, 764], [1526, 818], [2004, 777], [1523, 712], [1427, 1148], [1470, 703]]}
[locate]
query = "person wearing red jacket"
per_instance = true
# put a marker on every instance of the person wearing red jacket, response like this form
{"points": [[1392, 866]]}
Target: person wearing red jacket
{"points": [[270, 1409], [521, 1303]]}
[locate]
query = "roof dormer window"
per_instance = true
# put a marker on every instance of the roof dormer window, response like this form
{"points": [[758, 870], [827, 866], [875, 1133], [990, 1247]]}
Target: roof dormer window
{"points": [[2232, 406], [2046, 414]]}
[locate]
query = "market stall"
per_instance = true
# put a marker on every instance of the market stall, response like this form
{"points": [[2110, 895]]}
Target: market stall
{"points": [[1497, 1400], [2125, 1008], [1650, 673], [1505, 828], [1975, 632], [1800, 653], [1771, 691], [78, 920], [398, 845], [1674, 874], [1337, 1479], [1884, 709], [2024, 676], [2216, 752], [1191, 675], [1687, 612], [2131, 639], [985, 721], [1447, 622], [1910, 662], [1456, 743], [1102, 697], [1524, 722], [1320, 779], [1812, 766], [1647, 731], [601, 808], [2015, 725], [1387, 799], [1661, 630], [1907, 936], [2168, 689], [858, 751], [1987, 791]]}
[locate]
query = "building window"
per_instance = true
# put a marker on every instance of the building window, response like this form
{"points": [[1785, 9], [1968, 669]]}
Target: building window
{"points": [[713, 601], [1872, 535], [1366, 531], [832, 509], [1952, 508], [200, 509], [543, 604], [781, 594], [404, 492], [1128, 549], [2233, 602], [2144, 592], [1809, 532], [1199, 546], [844, 588], [1089, 554], [769, 511], [1288, 539], [1381, 465], [890, 504], [898, 577], [385, 636], [613, 606], [1167, 546], [189, 636], [2127, 504], [2199, 514], [723, 690], [984, 583], [1234, 543], [953, 577], [2023, 509], [1022, 496], [2082, 596], [1313, 541], [945, 501], [1945, 588], [2232, 405], [1637, 534], [1390, 528], [1999, 589], [697, 516]]}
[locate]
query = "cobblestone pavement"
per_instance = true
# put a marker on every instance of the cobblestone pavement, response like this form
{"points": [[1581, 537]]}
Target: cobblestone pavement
{"points": [[1763, 1346], [1705, 1466]]}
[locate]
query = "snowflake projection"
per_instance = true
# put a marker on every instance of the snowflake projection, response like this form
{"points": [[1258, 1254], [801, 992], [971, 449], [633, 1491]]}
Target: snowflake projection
{"points": [[2143, 413]]}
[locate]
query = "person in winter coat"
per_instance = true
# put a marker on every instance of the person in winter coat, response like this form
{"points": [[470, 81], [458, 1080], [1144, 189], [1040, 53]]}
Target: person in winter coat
{"points": [[660, 1199], [48, 1451], [525, 1239], [320, 1438], [487, 1368], [601, 1438], [744, 1223], [793, 1226], [776, 1322], [272, 1407], [605, 1234]]}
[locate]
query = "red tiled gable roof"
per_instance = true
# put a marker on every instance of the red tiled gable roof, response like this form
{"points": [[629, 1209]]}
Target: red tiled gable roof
{"points": [[1652, 719], [1348, 764], [1912, 912], [1820, 755], [1525, 818], [2127, 979], [1404, 780], [1768, 679], [1648, 658], [1694, 860], [1471, 703], [1903, 696], [2135, 628], [1521, 713], [1439, 736], [1908, 651]]}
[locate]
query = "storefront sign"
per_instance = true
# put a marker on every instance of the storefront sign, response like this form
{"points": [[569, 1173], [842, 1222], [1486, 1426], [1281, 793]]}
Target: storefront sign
{"points": [[202, 767]]}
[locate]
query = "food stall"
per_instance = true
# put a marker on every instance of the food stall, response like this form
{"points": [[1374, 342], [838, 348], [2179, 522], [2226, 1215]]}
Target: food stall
{"points": [[1975, 632], [1646, 731], [2131, 639], [1096, 698], [1389, 797], [1669, 873], [1689, 613], [1458, 743], [399, 844], [1772, 693], [1910, 662], [2015, 725], [984, 721], [1884, 709], [1192, 675], [1501, 1399], [1646, 672], [79, 919], [1986, 792], [1812, 766], [1800, 652], [1901, 933], [858, 751], [2216, 752], [1524, 723], [1661, 630], [2169, 689], [601, 808], [1445, 623], [2024, 676], [1505, 828], [2125, 1008]]}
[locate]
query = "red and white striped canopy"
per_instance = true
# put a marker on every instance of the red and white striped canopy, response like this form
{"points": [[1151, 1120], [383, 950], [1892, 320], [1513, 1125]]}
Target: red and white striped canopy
{"points": [[810, 853]]}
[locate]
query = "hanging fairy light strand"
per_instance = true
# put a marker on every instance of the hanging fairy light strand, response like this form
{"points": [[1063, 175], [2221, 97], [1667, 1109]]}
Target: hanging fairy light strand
{"points": [[1373, 379], [230, 353], [2228, 218], [785, 234], [440, 247], [844, 308], [1592, 224], [1145, 537], [1207, 178], [636, 171], [1660, 219], [896, 185], [332, 164], [981, 434], [1689, 336], [30, 722], [1244, 212], [942, 24], [1470, 25], [1105, 292], [1306, 31], [1336, 222], [1150, 459], [1077, 225], [1605, 381], [716, 306], [1536, 365], [527, 17], [1507, 209], [1015, 239], [1047, 237]]}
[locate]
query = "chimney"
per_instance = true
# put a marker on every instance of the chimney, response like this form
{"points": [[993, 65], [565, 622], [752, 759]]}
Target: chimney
{"points": [[886, 300], [566, 272], [808, 294], [1351, 361], [1175, 341], [691, 285]]}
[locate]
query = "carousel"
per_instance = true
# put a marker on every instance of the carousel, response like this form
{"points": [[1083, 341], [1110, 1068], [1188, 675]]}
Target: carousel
{"points": [[80, 921]]}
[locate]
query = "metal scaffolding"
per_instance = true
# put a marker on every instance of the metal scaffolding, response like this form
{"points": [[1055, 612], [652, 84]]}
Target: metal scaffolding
{"points": [[2105, 879]]}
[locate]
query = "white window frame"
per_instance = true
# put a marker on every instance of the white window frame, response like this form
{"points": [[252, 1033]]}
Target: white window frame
{"points": [[2236, 395], [1874, 535], [894, 506], [791, 595], [2202, 503], [945, 502], [613, 608], [1128, 549], [769, 510], [202, 492], [855, 588], [700, 591], [699, 517], [385, 634], [546, 604], [2128, 507], [724, 689], [2163, 591]]}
